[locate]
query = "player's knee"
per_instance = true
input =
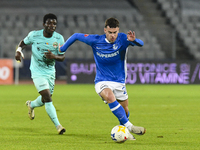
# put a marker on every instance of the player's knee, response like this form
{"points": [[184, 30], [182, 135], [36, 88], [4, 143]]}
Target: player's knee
{"points": [[46, 98], [110, 98], [108, 95]]}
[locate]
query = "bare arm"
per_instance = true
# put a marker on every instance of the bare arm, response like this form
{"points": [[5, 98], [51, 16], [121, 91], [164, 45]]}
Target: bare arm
{"points": [[50, 55]]}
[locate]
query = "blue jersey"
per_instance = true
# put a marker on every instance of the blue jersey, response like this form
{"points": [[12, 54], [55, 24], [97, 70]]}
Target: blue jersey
{"points": [[110, 58]]}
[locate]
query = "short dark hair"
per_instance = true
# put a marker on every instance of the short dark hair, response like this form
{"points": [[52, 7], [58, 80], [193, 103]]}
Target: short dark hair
{"points": [[112, 22], [49, 16]]}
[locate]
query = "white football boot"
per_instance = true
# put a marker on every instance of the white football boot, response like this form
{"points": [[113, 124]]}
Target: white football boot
{"points": [[138, 130], [131, 137], [31, 113], [60, 129]]}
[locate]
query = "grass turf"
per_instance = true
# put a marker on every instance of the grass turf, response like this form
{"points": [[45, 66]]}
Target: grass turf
{"points": [[170, 113]]}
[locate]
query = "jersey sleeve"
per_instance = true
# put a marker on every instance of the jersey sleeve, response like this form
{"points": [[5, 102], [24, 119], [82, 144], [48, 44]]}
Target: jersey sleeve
{"points": [[137, 42], [29, 38], [85, 38]]}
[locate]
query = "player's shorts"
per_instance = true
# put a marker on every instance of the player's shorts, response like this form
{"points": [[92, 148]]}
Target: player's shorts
{"points": [[42, 83], [119, 89]]}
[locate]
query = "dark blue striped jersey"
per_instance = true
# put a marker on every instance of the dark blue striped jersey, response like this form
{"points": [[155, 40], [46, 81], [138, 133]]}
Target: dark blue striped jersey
{"points": [[110, 58]]}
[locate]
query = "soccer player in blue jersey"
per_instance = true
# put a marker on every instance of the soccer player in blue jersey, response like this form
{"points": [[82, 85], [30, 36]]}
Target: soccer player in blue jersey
{"points": [[110, 52], [45, 50]]}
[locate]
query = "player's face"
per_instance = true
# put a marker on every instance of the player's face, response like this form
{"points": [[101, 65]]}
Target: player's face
{"points": [[111, 33], [50, 26]]}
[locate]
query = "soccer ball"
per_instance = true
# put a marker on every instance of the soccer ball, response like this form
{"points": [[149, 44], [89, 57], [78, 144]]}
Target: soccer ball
{"points": [[119, 134]]}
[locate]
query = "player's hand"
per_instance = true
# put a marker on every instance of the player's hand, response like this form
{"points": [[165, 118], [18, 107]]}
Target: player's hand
{"points": [[131, 36], [49, 55], [59, 47], [18, 56]]}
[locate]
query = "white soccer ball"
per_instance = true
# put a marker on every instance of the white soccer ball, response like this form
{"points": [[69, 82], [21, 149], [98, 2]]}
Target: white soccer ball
{"points": [[119, 134]]}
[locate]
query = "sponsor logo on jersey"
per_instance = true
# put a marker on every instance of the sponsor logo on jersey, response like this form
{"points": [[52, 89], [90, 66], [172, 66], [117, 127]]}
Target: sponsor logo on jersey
{"points": [[115, 46], [108, 55], [55, 44]]}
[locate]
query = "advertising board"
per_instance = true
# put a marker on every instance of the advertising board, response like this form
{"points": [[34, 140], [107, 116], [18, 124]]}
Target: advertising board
{"points": [[6, 71], [177, 72]]}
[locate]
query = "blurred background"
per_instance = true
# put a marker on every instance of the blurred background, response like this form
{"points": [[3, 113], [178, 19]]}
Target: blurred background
{"points": [[170, 29]]}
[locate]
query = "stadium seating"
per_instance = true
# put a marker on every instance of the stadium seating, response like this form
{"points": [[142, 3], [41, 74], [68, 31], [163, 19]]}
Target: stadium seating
{"points": [[75, 16], [185, 17], [88, 16]]}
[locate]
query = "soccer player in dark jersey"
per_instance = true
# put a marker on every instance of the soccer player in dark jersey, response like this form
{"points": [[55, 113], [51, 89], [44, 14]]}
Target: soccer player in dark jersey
{"points": [[110, 50]]}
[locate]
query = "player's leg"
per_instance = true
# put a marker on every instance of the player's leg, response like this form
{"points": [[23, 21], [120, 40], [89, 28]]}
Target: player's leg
{"points": [[104, 89], [110, 93], [116, 108], [37, 102], [122, 96], [45, 86], [132, 128], [114, 105], [51, 111], [124, 104]]}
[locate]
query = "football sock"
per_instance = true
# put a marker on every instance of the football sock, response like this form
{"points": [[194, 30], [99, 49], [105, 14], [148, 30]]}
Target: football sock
{"points": [[37, 102], [128, 125], [51, 111], [127, 115], [119, 112]]}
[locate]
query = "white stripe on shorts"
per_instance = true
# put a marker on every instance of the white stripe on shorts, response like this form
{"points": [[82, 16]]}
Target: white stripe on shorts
{"points": [[113, 109]]}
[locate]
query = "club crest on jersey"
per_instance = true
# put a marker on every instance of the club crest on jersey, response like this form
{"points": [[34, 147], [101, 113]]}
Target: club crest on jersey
{"points": [[115, 46], [55, 44]]}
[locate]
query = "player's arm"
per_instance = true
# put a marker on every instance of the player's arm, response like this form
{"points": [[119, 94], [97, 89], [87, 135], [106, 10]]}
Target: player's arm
{"points": [[132, 38], [76, 36], [19, 53], [50, 55], [60, 57]]}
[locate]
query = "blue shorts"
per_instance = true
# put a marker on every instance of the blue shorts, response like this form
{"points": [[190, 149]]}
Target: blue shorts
{"points": [[42, 83]]}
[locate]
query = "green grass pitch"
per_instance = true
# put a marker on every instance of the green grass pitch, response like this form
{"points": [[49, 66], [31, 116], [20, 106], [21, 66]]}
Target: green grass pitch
{"points": [[170, 113]]}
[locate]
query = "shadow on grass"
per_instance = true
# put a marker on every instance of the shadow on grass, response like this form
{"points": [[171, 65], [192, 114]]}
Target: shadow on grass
{"points": [[46, 134]]}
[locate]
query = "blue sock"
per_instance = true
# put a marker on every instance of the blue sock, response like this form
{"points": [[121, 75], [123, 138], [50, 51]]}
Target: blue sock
{"points": [[37, 102], [51, 111], [118, 111], [126, 116]]}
